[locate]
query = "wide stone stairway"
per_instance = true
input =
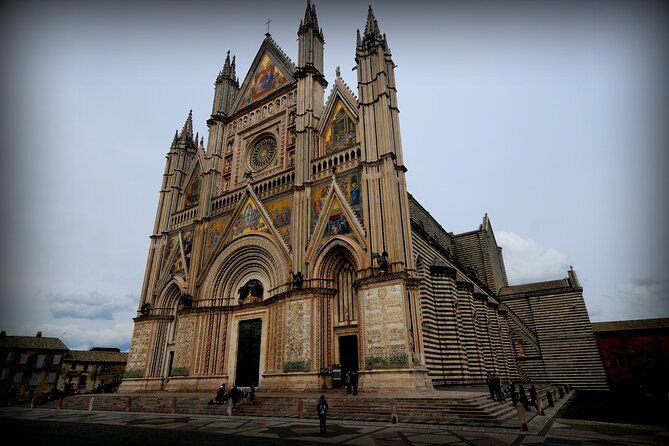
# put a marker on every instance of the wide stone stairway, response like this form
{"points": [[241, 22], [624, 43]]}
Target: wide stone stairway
{"points": [[463, 407]]}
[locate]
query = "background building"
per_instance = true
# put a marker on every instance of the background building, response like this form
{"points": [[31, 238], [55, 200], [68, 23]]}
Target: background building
{"points": [[635, 354], [29, 365], [99, 368]]}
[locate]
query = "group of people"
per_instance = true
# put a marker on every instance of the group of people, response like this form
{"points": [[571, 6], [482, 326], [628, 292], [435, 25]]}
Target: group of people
{"points": [[235, 395], [517, 395], [351, 381]]}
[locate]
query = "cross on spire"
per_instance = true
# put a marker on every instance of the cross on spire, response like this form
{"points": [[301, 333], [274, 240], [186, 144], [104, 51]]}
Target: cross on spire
{"points": [[267, 23]]}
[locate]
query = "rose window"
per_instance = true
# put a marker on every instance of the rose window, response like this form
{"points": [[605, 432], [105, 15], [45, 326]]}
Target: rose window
{"points": [[262, 153]]}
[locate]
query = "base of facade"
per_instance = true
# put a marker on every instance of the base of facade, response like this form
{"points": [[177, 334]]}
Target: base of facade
{"points": [[414, 380], [131, 385]]}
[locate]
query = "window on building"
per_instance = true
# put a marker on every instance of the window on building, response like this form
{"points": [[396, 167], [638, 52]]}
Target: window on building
{"points": [[5, 374], [56, 359], [34, 379], [106, 367], [40, 361], [18, 377], [73, 366], [82, 380], [24, 358], [11, 356], [52, 378], [85, 367], [520, 348]]}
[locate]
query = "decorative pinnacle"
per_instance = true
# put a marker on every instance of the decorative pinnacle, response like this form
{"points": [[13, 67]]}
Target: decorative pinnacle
{"points": [[372, 35], [338, 71], [187, 129], [310, 21]]}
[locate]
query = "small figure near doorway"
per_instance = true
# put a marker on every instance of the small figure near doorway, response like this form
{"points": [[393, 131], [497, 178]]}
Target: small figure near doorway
{"points": [[349, 383], [252, 394], [322, 411], [354, 381]]}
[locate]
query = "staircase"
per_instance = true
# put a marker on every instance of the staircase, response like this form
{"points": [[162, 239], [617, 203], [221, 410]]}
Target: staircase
{"points": [[443, 407]]}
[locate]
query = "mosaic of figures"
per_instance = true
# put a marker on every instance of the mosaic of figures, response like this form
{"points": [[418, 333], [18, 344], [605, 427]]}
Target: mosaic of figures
{"points": [[280, 211], [341, 130], [350, 186], [267, 78], [170, 246], [250, 220], [192, 192], [214, 236], [319, 194], [337, 224], [182, 263]]}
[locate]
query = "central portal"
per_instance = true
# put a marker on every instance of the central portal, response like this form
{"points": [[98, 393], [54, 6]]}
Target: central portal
{"points": [[248, 353], [348, 354]]}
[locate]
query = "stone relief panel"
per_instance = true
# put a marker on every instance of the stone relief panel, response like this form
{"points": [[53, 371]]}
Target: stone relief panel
{"points": [[183, 345], [385, 333], [139, 350], [298, 336]]}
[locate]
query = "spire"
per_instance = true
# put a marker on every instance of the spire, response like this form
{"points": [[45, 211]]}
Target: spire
{"points": [[187, 129], [310, 21], [372, 35], [372, 26]]}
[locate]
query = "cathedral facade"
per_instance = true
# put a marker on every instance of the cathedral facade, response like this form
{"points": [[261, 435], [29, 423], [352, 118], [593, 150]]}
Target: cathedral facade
{"points": [[289, 247]]}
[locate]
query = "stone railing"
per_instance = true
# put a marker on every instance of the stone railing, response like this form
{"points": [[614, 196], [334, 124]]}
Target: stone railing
{"points": [[183, 218]]}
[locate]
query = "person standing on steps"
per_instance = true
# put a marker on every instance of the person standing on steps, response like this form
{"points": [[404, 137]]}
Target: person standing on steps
{"points": [[348, 380], [322, 411], [354, 382]]}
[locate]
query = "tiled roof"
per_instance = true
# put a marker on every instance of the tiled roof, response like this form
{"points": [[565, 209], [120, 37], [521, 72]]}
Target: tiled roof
{"points": [[641, 324], [32, 343], [95, 356], [531, 287]]}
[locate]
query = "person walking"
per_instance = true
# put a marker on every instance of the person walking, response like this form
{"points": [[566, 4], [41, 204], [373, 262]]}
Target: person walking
{"points": [[488, 381], [354, 382], [322, 411], [252, 394], [348, 380], [533, 397], [514, 394], [523, 397]]}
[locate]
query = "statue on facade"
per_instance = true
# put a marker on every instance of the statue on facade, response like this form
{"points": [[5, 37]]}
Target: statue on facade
{"points": [[381, 260], [145, 309], [253, 287], [186, 300], [297, 279]]}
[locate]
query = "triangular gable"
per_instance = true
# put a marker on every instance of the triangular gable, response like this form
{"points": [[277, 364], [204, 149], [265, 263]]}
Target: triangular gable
{"points": [[191, 193], [176, 257], [336, 220], [339, 128], [249, 219], [271, 69], [252, 217]]}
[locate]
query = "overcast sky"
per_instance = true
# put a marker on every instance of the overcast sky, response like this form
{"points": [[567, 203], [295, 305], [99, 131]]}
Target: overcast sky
{"points": [[549, 119]]}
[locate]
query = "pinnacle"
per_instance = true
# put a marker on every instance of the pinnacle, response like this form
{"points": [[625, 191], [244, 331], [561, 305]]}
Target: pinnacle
{"points": [[310, 20], [372, 26], [187, 129]]}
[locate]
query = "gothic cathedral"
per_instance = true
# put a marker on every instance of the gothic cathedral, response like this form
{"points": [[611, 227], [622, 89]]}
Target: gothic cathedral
{"points": [[289, 249]]}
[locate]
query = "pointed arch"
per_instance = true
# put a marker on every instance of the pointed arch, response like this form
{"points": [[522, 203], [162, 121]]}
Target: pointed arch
{"points": [[256, 256]]}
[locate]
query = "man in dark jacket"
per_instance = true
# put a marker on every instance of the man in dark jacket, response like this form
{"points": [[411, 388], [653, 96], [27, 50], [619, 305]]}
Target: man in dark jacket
{"points": [[322, 411], [533, 397]]}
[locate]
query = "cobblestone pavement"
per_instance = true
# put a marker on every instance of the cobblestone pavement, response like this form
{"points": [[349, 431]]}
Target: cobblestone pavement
{"points": [[246, 430]]}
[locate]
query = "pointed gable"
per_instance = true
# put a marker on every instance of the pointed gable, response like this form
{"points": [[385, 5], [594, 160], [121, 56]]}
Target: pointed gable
{"points": [[339, 128], [336, 219], [271, 69], [192, 190], [249, 220]]}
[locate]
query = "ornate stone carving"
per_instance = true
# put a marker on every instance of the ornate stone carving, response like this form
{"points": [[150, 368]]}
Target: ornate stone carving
{"points": [[298, 327], [385, 332]]}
